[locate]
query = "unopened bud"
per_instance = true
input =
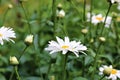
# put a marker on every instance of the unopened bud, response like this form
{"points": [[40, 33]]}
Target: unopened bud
{"points": [[84, 31], [13, 60], [107, 71], [52, 78], [59, 6], [60, 14], [102, 39], [10, 6], [29, 40], [91, 40]]}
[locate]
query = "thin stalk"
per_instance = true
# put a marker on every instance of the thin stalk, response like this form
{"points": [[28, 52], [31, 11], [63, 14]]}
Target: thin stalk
{"points": [[83, 68], [46, 78], [17, 74], [95, 61], [117, 37], [22, 53], [11, 76], [54, 15], [91, 8], [64, 66], [74, 6], [26, 17], [110, 4], [84, 12], [4, 16], [102, 77]]}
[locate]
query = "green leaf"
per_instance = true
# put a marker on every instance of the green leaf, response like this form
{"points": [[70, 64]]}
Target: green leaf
{"points": [[80, 78], [2, 77], [32, 78]]}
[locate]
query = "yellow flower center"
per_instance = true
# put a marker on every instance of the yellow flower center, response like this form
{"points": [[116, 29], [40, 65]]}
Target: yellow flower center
{"points": [[1, 35], [113, 71], [65, 47], [99, 18]]}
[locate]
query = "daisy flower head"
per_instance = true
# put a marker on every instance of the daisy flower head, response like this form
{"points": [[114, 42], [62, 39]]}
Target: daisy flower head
{"points": [[110, 72], [65, 46], [6, 34], [114, 1], [97, 19], [108, 21]]}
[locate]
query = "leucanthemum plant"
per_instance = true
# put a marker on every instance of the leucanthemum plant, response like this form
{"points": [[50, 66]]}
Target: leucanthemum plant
{"points": [[114, 1], [109, 72], [99, 18], [65, 46], [6, 33]]}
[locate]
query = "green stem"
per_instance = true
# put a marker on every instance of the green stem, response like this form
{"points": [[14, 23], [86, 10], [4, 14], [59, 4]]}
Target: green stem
{"points": [[83, 68], [102, 77], [5, 16], [54, 15], [22, 53], [17, 74], [64, 66], [26, 16], [84, 13], [91, 8], [11, 76], [110, 4], [95, 61], [117, 37], [46, 78]]}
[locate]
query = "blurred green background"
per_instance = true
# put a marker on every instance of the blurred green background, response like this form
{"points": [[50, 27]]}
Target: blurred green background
{"points": [[35, 63]]}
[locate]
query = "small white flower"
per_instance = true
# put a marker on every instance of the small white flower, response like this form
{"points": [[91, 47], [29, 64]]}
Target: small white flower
{"points": [[108, 21], [60, 13], [110, 72], [97, 19], [65, 46], [115, 1], [6, 34]]}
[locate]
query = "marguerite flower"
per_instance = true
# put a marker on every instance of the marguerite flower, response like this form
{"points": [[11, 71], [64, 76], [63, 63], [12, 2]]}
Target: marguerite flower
{"points": [[108, 21], [114, 1], [97, 19], [65, 46], [6, 34], [110, 72]]}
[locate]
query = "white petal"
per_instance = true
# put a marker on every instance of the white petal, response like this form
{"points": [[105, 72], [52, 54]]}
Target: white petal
{"points": [[64, 51]]}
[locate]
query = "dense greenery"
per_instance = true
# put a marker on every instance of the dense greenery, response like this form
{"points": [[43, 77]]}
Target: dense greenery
{"points": [[38, 17]]}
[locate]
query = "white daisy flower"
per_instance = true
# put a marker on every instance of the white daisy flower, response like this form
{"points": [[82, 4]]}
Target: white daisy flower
{"points": [[110, 72], [108, 21], [97, 19], [65, 46], [6, 34], [115, 1]]}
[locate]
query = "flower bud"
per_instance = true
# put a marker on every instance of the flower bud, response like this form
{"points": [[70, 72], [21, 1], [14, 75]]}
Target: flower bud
{"points": [[29, 40], [10, 6], [102, 39], [107, 71], [52, 78], [91, 40], [60, 14], [84, 31], [13, 60], [59, 6]]}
